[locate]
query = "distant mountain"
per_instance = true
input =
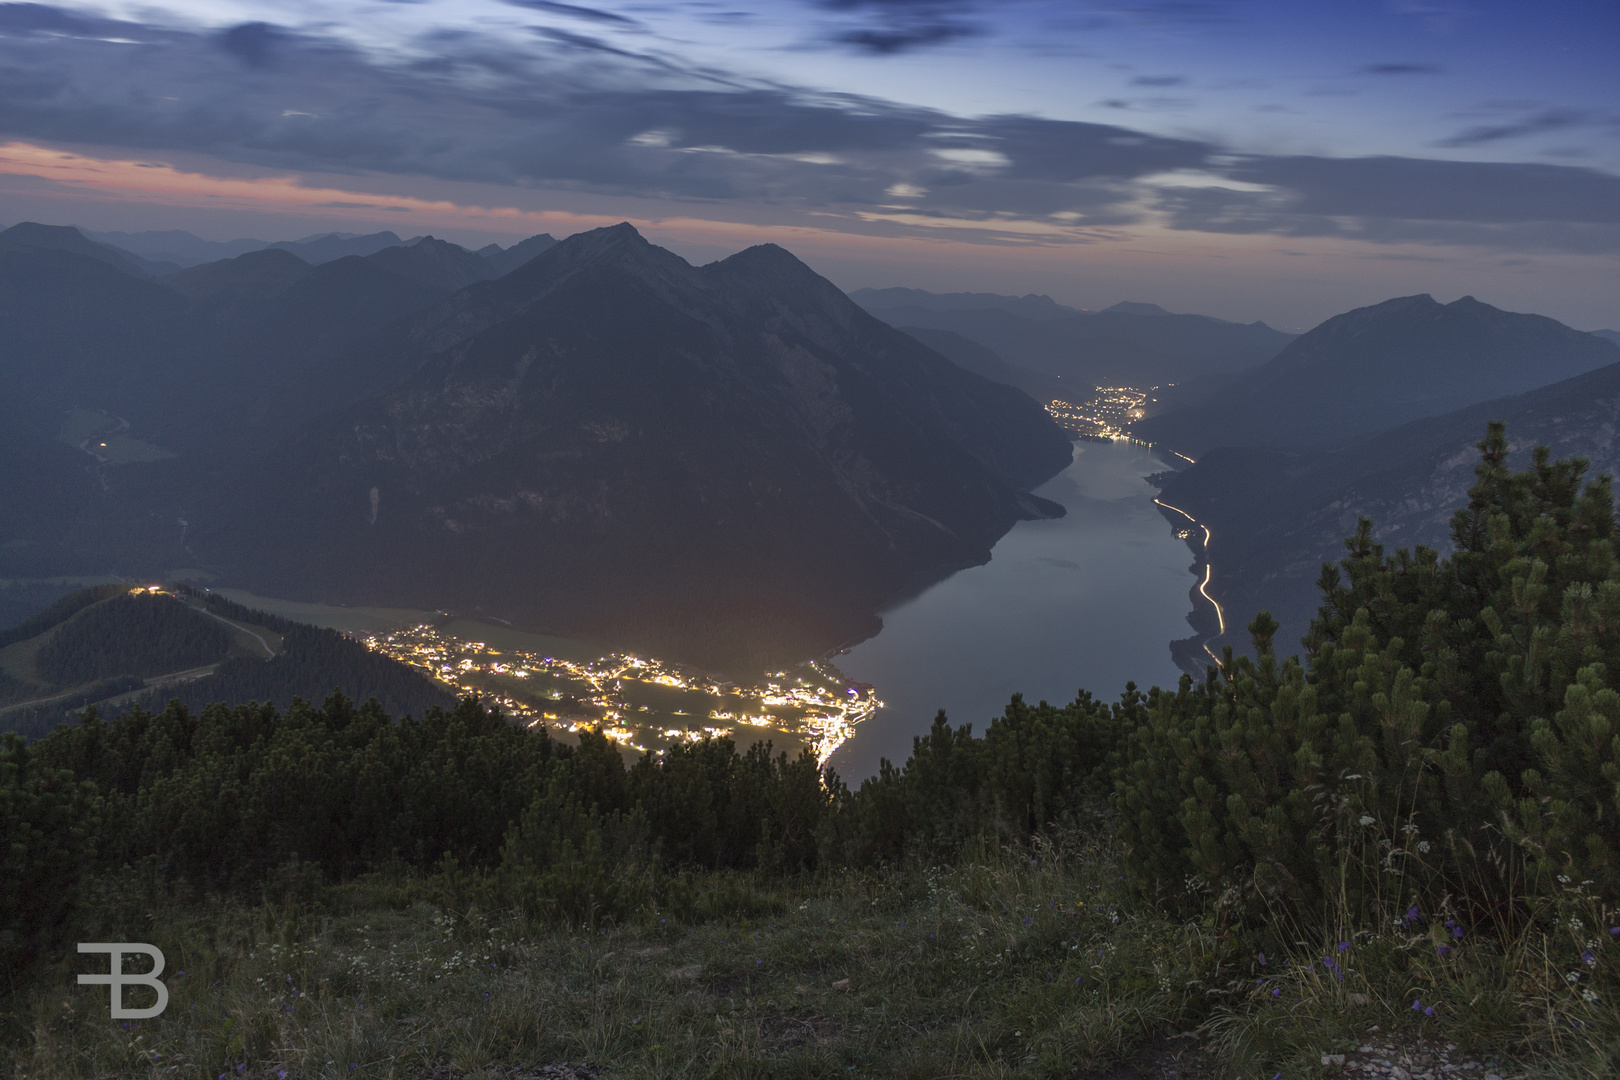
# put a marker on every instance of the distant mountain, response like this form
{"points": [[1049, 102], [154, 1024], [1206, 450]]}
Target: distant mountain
{"points": [[731, 463], [175, 246], [1377, 367], [31, 236], [123, 397], [1609, 335], [1278, 515], [504, 261], [249, 278], [1030, 306], [435, 264], [333, 246], [1127, 344], [1129, 307], [982, 361], [173, 249]]}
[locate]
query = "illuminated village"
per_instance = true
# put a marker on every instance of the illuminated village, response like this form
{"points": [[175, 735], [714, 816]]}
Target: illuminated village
{"points": [[641, 703], [1108, 415]]}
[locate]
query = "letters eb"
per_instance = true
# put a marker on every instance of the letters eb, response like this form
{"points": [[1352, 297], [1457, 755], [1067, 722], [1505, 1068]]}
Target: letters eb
{"points": [[117, 979]]}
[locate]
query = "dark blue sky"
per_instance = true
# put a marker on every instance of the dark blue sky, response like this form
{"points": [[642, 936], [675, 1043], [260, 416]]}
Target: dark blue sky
{"points": [[1253, 159]]}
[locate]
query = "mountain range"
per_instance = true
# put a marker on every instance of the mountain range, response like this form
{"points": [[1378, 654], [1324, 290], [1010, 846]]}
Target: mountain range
{"points": [[1277, 513], [726, 463], [1377, 367], [173, 249], [1130, 343]]}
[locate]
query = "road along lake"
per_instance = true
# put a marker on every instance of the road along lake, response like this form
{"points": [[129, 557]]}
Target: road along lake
{"points": [[1089, 600]]}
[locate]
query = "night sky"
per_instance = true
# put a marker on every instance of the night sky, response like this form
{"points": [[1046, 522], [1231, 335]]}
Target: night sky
{"points": [[1253, 160]]}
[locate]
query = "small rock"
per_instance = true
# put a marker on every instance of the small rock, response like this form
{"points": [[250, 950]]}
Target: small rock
{"points": [[1359, 998], [1398, 1073], [1332, 1059], [843, 984], [1366, 1050]]}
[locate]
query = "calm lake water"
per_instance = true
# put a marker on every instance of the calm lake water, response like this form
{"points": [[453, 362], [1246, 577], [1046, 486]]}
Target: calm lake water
{"points": [[1091, 600]]}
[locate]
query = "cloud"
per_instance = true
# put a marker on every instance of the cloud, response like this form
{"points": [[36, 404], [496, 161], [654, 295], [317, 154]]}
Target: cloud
{"points": [[889, 27], [254, 43], [1548, 120], [1407, 200], [1158, 80], [904, 39], [565, 111], [1401, 69], [574, 11]]}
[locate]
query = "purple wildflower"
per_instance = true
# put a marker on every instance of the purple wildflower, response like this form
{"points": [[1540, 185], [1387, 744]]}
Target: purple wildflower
{"points": [[1343, 945], [1417, 1005], [1412, 914], [1429, 1011], [1262, 959]]}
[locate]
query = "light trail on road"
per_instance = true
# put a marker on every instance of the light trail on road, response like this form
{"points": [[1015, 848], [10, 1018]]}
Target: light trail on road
{"points": [[1203, 586]]}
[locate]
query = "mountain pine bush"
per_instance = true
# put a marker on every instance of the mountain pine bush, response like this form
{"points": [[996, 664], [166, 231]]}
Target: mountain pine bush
{"points": [[1455, 738]]}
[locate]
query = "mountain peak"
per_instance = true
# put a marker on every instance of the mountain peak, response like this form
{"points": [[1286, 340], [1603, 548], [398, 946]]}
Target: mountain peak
{"points": [[31, 235], [1131, 307], [618, 246]]}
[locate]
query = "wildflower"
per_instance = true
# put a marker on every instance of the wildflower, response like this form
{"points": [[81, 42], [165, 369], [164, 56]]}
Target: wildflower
{"points": [[1277, 992], [1366, 819], [1262, 959], [1589, 958], [1343, 945], [1589, 996], [1412, 914], [1429, 1011], [1456, 931], [1417, 1004], [1614, 931], [1442, 949]]}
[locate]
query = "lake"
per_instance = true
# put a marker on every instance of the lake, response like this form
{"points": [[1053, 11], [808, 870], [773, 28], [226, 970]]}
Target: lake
{"points": [[1090, 600]]}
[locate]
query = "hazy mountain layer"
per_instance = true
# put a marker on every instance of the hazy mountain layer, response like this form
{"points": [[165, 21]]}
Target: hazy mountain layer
{"points": [[982, 361], [1377, 367], [1128, 344], [727, 462]]}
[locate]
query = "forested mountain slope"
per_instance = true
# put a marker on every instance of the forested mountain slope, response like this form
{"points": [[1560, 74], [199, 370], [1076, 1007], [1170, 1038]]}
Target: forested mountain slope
{"points": [[721, 461], [122, 649]]}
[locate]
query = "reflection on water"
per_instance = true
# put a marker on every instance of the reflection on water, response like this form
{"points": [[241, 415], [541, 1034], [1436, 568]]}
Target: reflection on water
{"points": [[1090, 600]]}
